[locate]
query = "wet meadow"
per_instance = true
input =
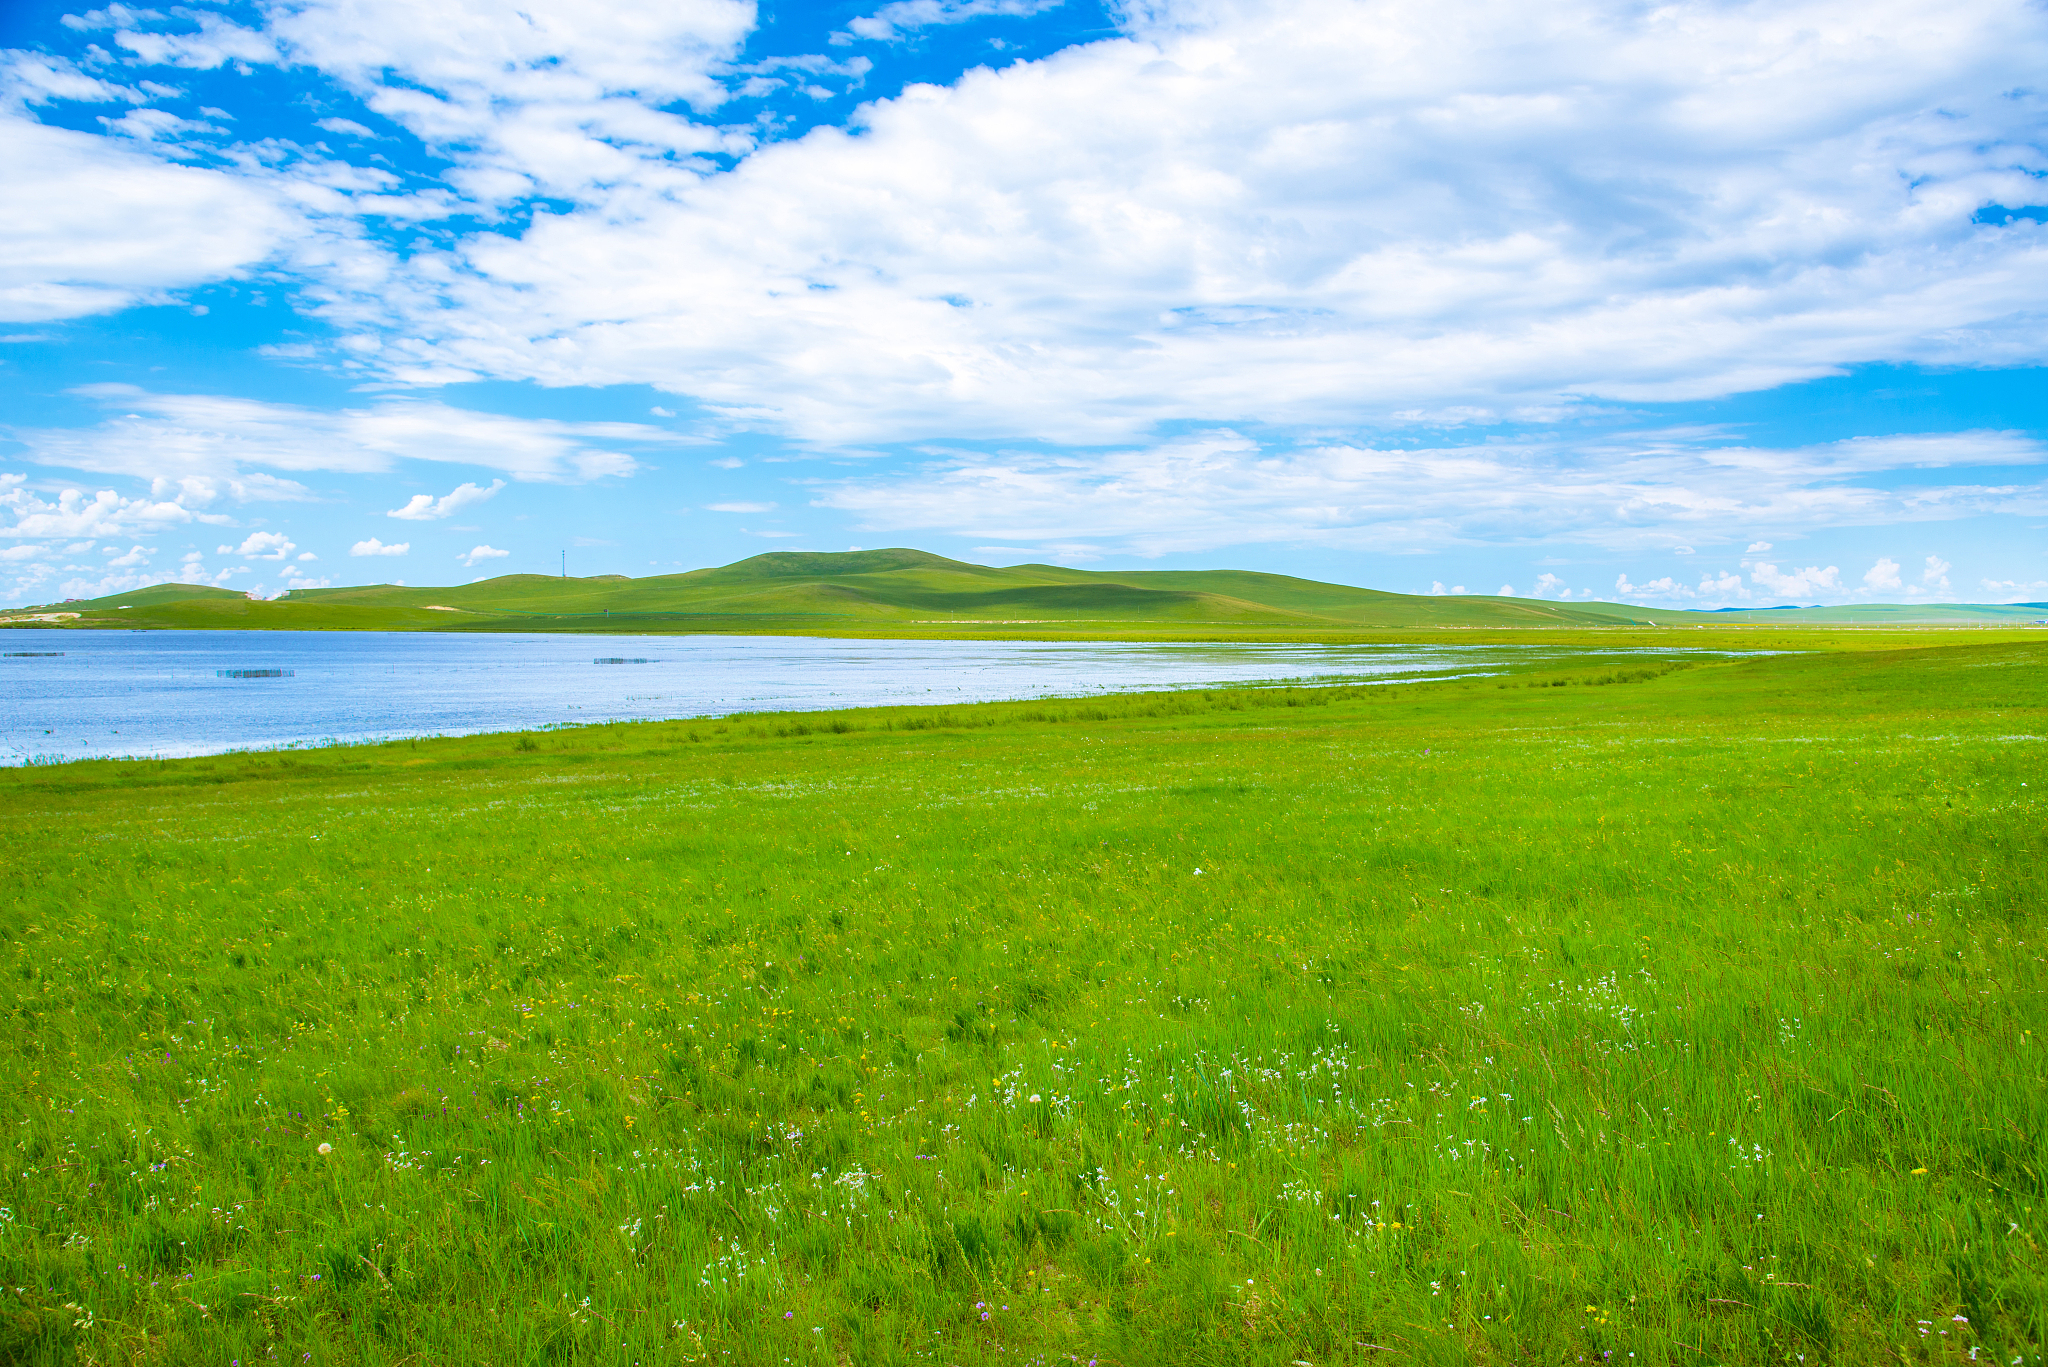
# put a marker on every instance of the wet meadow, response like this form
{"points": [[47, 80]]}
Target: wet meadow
{"points": [[1669, 1015]]}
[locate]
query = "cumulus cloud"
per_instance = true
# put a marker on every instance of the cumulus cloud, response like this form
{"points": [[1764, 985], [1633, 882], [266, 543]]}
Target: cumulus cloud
{"points": [[426, 508], [1302, 213], [1305, 212], [1810, 582], [375, 547], [479, 554], [74, 513], [262, 546], [1935, 575], [1720, 588], [95, 223], [1666, 587], [1883, 576], [214, 439], [127, 572]]}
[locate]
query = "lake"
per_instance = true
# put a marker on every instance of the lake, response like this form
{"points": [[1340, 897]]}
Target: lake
{"points": [[79, 694]]}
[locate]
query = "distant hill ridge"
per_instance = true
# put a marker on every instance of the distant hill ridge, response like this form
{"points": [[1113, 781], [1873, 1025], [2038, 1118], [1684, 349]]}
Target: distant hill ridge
{"points": [[874, 589]]}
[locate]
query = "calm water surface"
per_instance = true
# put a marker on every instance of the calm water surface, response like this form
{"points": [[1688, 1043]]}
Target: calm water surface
{"points": [[161, 693]]}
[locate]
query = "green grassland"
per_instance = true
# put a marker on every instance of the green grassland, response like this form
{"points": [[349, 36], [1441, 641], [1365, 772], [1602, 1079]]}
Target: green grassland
{"points": [[1692, 1014], [907, 592]]}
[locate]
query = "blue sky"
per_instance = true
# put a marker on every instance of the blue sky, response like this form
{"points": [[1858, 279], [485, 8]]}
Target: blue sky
{"points": [[1695, 305]]}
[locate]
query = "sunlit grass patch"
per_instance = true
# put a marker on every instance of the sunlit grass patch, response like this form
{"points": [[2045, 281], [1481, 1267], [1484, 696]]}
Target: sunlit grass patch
{"points": [[1693, 1017]]}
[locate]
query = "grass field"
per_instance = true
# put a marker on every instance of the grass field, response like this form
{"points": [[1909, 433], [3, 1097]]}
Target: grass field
{"points": [[1662, 1017]]}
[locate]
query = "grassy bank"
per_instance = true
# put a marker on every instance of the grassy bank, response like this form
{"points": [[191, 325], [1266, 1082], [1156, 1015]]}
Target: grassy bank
{"points": [[1693, 1015]]}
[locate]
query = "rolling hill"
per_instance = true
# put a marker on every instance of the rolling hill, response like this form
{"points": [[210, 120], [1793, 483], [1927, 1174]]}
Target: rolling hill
{"points": [[869, 592]]}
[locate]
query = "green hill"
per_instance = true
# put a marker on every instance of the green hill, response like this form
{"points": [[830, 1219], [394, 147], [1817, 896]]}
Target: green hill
{"points": [[157, 595], [902, 590], [916, 587]]}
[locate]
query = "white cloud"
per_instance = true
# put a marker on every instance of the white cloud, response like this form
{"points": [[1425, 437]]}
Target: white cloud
{"points": [[1311, 212], [96, 223], [2015, 589], [155, 125], [425, 507], [74, 513], [135, 555], [554, 97], [1758, 547], [739, 507], [202, 491], [1722, 588], [1627, 491], [1314, 212], [482, 553], [306, 557], [213, 438], [895, 22], [346, 127], [375, 547], [219, 42], [1810, 582], [1548, 585], [262, 546], [1882, 576], [1715, 589], [1505, 591], [1935, 575]]}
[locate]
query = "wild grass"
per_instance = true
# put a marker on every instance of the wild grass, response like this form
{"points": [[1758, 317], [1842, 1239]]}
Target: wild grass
{"points": [[1693, 1017]]}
